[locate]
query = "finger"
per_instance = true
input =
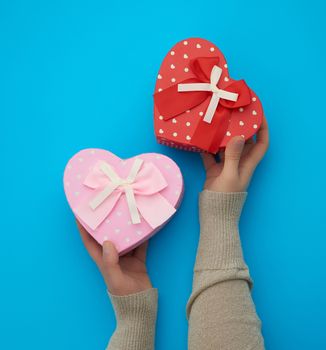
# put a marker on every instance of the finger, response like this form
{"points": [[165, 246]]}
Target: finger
{"points": [[248, 146], [111, 260], [93, 248], [141, 252], [208, 161], [258, 151], [212, 168], [232, 155]]}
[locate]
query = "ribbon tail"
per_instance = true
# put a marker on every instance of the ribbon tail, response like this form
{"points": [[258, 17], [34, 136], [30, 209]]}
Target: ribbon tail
{"points": [[93, 218], [132, 205], [155, 209], [100, 198], [211, 108], [223, 117], [209, 136]]}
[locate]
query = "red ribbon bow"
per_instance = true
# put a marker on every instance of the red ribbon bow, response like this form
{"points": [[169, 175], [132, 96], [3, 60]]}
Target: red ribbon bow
{"points": [[171, 103]]}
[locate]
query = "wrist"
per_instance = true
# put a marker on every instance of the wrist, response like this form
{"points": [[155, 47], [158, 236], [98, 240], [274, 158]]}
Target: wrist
{"points": [[226, 183], [131, 288]]}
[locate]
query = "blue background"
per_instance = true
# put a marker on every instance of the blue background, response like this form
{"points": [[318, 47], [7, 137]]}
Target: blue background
{"points": [[77, 74]]}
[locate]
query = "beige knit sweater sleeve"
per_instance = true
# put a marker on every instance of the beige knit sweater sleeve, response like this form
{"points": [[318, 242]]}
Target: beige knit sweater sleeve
{"points": [[220, 309]]}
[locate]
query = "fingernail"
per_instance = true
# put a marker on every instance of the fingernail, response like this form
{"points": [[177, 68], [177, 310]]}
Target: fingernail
{"points": [[241, 141], [106, 247]]}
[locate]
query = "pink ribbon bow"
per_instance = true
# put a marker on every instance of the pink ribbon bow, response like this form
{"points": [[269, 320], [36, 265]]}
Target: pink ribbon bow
{"points": [[140, 189]]}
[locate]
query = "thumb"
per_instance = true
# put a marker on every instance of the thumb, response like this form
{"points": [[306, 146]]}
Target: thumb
{"points": [[110, 260], [233, 153]]}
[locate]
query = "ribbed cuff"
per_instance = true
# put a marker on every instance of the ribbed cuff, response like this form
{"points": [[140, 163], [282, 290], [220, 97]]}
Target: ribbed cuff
{"points": [[219, 245], [136, 319]]}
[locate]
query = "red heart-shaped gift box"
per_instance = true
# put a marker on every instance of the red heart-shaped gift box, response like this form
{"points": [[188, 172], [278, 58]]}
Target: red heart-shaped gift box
{"points": [[197, 106]]}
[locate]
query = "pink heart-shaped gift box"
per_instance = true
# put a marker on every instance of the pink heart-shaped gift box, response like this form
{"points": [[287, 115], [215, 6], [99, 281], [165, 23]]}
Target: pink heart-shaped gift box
{"points": [[157, 189]]}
